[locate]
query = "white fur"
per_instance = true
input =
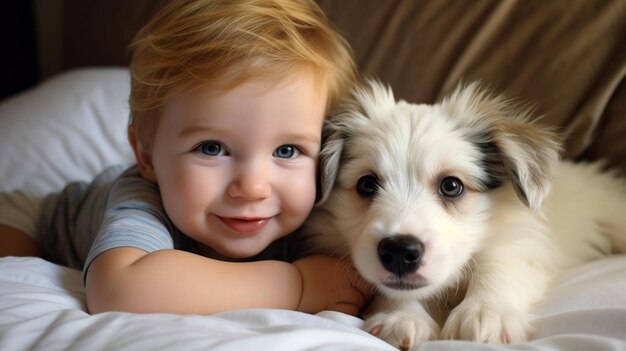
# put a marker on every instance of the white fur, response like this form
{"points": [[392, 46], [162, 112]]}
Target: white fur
{"points": [[498, 245]]}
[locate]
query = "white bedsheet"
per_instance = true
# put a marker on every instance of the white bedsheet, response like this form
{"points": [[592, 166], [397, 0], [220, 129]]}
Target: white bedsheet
{"points": [[73, 126], [42, 307]]}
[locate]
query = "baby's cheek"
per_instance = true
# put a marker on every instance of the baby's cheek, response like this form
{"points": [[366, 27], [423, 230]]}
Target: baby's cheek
{"points": [[298, 202]]}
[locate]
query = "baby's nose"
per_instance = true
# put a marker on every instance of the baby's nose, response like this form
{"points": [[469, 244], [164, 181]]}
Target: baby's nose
{"points": [[252, 183]]}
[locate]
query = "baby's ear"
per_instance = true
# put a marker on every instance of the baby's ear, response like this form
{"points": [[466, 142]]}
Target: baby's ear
{"points": [[333, 139], [524, 151], [142, 156]]}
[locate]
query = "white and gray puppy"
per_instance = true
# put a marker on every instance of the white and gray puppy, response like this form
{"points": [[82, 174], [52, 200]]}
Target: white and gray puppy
{"points": [[459, 213]]}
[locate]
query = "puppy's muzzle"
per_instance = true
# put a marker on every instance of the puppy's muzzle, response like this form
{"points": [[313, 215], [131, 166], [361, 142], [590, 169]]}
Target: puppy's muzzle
{"points": [[401, 254]]}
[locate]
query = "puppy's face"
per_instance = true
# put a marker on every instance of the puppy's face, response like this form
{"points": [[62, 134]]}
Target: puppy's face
{"points": [[411, 196]]}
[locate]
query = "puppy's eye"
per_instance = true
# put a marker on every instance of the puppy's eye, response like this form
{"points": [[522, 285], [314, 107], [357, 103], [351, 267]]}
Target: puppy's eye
{"points": [[367, 186], [451, 187]]}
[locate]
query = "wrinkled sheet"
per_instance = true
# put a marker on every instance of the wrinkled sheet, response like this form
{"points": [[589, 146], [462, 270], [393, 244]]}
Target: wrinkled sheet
{"points": [[42, 307]]}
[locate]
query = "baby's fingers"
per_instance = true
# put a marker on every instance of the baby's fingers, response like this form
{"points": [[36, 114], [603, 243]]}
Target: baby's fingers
{"points": [[363, 287]]}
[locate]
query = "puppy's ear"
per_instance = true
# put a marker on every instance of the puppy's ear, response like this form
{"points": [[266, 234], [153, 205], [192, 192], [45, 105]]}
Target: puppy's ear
{"points": [[333, 139], [369, 99], [514, 146]]}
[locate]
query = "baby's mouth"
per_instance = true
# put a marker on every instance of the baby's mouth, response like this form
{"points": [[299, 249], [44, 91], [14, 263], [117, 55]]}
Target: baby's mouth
{"points": [[245, 225]]}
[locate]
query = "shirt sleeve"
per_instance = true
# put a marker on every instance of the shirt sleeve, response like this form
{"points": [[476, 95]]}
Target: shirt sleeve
{"points": [[134, 217]]}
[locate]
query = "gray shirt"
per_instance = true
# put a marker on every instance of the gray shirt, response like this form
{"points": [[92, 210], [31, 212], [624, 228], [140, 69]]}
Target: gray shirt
{"points": [[118, 208]]}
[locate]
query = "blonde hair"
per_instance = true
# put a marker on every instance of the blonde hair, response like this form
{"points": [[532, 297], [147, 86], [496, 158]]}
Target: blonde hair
{"points": [[193, 44]]}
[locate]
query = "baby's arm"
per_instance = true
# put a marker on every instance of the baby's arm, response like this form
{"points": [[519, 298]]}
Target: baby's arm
{"points": [[331, 284], [174, 281]]}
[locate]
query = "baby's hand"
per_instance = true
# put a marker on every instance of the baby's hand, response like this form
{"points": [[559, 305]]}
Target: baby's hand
{"points": [[331, 284]]}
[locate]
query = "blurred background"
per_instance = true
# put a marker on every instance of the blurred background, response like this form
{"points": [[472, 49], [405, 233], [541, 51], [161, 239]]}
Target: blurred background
{"points": [[567, 58], [38, 43]]}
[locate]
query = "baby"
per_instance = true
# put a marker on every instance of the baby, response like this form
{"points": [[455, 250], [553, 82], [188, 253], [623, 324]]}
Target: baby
{"points": [[228, 99]]}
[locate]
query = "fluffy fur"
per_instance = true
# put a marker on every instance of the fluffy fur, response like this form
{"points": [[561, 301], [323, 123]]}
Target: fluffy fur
{"points": [[460, 213]]}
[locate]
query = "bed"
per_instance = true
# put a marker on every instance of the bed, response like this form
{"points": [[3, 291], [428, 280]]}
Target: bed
{"points": [[567, 57]]}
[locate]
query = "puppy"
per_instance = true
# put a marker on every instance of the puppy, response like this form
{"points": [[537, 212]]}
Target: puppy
{"points": [[460, 213]]}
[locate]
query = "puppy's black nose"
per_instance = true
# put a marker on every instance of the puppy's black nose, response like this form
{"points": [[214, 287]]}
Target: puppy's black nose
{"points": [[400, 254]]}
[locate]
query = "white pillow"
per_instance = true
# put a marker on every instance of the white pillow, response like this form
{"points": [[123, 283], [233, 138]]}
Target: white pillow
{"points": [[67, 128]]}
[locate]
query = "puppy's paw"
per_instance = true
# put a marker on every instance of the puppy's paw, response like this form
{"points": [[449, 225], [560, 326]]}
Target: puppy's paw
{"points": [[402, 329], [479, 321]]}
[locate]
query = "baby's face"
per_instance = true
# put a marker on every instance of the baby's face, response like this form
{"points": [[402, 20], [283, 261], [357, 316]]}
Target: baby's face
{"points": [[237, 169]]}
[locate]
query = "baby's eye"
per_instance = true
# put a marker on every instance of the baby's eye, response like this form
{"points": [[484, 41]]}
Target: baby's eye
{"points": [[286, 151], [211, 148]]}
